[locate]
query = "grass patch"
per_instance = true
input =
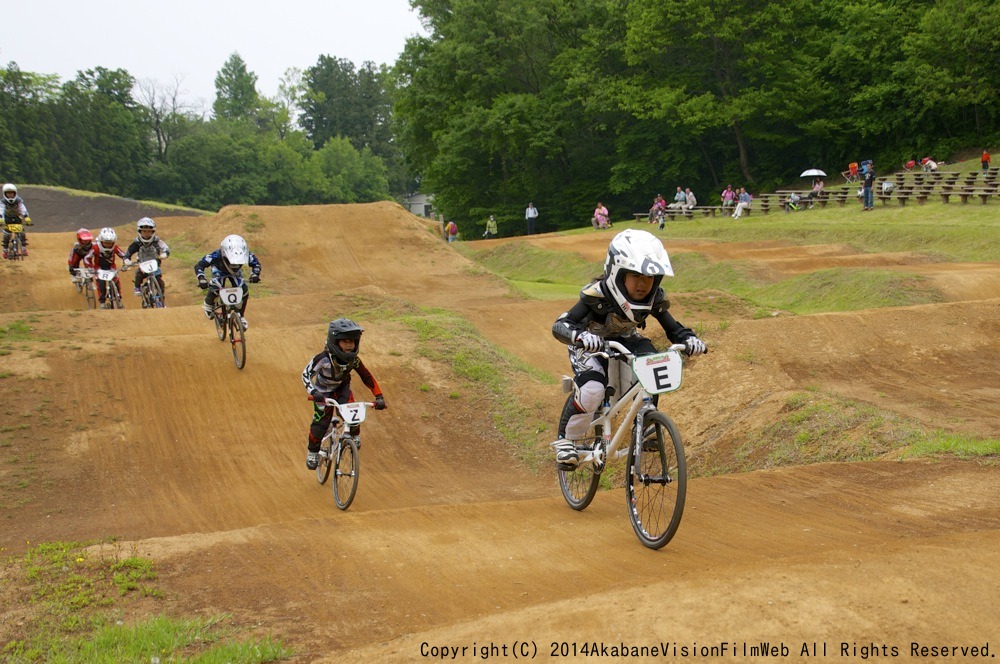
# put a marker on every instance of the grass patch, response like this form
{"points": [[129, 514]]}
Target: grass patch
{"points": [[819, 427], [76, 603], [936, 443], [491, 372], [18, 330]]}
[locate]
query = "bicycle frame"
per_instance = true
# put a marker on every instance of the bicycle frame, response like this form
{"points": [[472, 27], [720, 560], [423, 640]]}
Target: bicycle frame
{"points": [[636, 399]]}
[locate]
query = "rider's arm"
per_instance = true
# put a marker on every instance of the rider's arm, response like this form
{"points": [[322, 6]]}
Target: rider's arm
{"points": [[569, 325], [162, 247], [367, 378], [676, 332], [199, 267], [133, 249], [254, 264]]}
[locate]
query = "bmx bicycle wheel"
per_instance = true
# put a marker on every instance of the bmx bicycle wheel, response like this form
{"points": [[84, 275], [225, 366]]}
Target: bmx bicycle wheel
{"points": [[325, 465], [14, 248], [656, 481], [219, 318], [579, 485], [89, 294], [237, 338], [345, 472]]}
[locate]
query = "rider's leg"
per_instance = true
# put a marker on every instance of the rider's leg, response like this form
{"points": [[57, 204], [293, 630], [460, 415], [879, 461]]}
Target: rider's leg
{"points": [[209, 304]]}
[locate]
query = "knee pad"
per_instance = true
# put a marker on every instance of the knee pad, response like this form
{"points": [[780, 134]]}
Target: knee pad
{"points": [[589, 396]]}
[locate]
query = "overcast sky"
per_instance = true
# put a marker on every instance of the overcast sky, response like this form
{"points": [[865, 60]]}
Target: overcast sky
{"points": [[192, 39]]}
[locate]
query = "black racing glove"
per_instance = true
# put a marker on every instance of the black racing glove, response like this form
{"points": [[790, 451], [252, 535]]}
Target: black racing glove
{"points": [[254, 278], [380, 402], [202, 282]]}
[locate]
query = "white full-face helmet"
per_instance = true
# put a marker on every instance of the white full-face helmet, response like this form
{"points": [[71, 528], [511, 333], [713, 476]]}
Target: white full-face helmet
{"points": [[640, 252], [235, 252], [9, 191], [106, 240], [145, 224]]}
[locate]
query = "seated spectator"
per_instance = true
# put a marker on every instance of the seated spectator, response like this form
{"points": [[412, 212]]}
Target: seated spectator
{"points": [[602, 218], [690, 198], [680, 199], [659, 205], [728, 197], [743, 202], [816, 191], [929, 164]]}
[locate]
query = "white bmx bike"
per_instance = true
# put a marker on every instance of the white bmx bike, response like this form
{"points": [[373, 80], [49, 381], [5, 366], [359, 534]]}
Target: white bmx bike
{"points": [[628, 424], [338, 451]]}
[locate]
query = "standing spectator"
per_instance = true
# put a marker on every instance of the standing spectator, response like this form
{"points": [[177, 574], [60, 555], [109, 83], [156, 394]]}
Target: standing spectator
{"points": [[451, 230], [680, 199], [530, 214], [816, 191], [491, 227], [602, 218], [986, 160], [690, 198], [743, 203], [728, 197], [867, 194]]}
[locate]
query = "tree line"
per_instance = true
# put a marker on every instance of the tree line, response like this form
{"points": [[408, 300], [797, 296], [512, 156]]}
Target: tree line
{"points": [[325, 138], [560, 102]]}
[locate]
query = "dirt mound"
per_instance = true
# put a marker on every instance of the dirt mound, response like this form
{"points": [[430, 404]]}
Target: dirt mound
{"points": [[136, 424]]}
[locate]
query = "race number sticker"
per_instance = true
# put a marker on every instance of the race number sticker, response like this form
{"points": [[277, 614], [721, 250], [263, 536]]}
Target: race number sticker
{"points": [[354, 413], [659, 373], [231, 296]]}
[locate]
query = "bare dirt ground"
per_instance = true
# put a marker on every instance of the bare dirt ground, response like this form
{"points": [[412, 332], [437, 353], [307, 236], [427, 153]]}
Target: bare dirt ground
{"points": [[136, 424]]}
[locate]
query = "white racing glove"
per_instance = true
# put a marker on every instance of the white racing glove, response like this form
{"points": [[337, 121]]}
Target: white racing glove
{"points": [[695, 346], [590, 341]]}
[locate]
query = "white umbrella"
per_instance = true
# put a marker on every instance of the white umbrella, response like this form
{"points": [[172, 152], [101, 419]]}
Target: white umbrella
{"points": [[813, 172]]}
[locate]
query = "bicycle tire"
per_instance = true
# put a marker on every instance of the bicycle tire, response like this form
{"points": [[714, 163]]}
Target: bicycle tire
{"points": [[14, 248], [579, 486], [656, 483], [153, 294], [114, 297], [238, 339], [89, 295], [324, 467], [346, 470], [219, 318]]}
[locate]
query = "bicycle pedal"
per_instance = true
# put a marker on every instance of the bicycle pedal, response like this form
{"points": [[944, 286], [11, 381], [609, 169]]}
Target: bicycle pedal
{"points": [[566, 467]]}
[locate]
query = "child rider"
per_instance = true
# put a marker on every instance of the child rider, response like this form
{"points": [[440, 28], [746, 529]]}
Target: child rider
{"points": [[328, 375], [613, 307]]}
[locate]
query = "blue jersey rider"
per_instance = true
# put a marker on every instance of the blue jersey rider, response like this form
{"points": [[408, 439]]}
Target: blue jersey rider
{"points": [[227, 264]]}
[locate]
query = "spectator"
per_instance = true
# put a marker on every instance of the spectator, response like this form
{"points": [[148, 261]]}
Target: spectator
{"points": [[793, 202], [602, 218], [867, 194], [986, 160], [743, 202], [680, 200], [491, 227], [656, 212], [690, 198], [816, 191], [929, 164], [728, 197], [451, 231], [530, 214]]}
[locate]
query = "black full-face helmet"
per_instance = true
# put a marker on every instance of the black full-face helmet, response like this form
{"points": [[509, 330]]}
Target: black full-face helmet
{"points": [[343, 328]]}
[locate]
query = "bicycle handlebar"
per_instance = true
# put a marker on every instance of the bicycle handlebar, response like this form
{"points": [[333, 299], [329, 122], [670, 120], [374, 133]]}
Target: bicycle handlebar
{"points": [[616, 349], [334, 402]]}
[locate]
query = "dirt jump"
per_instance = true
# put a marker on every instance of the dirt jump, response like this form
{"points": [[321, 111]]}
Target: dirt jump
{"points": [[136, 424]]}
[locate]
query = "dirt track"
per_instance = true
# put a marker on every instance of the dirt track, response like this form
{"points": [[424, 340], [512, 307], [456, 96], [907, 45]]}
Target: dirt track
{"points": [[451, 541]]}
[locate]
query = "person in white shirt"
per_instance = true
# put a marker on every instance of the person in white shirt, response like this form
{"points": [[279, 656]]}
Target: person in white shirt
{"points": [[530, 214]]}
